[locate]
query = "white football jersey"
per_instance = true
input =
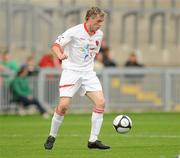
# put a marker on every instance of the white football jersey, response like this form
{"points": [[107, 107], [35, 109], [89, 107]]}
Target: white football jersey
{"points": [[80, 47]]}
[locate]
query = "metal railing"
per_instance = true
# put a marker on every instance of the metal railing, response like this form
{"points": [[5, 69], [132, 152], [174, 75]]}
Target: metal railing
{"points": [[124, 89]]}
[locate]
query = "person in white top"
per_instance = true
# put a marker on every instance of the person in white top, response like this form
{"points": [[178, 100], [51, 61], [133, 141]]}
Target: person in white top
{"points": [[77, 48]]}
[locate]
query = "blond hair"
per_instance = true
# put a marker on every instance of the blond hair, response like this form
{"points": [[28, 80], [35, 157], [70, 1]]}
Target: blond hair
{"points": [[94, 11]]}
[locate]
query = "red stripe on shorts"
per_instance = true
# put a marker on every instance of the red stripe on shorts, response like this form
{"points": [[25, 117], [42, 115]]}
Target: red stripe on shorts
{"points": [[66, 85]]}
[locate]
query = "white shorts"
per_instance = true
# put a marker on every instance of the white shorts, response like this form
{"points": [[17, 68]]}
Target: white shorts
{"points": [[72, 80]]}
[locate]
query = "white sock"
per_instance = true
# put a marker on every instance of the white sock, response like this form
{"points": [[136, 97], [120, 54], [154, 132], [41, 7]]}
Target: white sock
{"points": [[55, 123], [96, 123]]}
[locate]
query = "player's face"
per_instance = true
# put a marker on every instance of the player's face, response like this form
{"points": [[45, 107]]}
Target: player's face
{"points": [[96, 23]]}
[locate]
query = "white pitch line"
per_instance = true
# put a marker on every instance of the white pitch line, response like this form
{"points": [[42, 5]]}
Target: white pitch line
{"points": [[109, 135], [154, 136]]}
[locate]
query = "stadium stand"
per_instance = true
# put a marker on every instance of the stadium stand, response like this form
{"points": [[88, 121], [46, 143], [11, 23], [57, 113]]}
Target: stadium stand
{"points": [[142, 25]]}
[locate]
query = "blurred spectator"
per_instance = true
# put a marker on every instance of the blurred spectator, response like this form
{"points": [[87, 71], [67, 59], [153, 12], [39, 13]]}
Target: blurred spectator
{"points": [[132, 61], [4, 78], [107, 55], [1, 79], [107, 58], [2, 67], [30, 64], [98, 63], [22, 92], [7, 62], [49, 60]]}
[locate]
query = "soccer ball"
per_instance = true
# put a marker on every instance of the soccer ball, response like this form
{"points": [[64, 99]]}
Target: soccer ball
{"points": [[122, 123]]}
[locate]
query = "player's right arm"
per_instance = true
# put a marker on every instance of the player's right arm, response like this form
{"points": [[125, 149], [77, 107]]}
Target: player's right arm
{"points": [[59, 51], [62, 40]]}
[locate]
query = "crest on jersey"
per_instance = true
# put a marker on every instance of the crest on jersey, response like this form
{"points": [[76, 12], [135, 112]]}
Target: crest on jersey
{"points": [[97, 43]]}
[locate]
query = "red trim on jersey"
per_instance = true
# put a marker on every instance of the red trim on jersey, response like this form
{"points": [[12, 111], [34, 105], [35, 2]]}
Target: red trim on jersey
{"points": [[98, 110], [66, 85], [56, 45], [85, 27]]}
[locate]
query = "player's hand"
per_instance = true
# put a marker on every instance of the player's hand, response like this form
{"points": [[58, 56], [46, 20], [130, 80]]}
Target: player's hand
{"points": [[63, 56]]}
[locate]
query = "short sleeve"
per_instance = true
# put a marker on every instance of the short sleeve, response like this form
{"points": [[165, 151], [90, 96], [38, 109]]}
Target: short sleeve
{"points": [[65, 38]]}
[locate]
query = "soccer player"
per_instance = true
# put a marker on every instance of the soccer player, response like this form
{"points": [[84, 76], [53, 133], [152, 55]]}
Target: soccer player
{"points": [[77, 48]]}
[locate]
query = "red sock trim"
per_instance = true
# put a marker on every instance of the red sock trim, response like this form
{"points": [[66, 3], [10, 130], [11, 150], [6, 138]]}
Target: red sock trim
{"points": [[59, 112], [97, 110]]}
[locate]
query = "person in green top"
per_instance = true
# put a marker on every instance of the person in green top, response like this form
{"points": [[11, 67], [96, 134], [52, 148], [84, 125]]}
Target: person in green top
{"points": [[8, 63], [22, 92]]}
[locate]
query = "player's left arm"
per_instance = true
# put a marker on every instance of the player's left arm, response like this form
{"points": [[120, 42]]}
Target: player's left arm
{"points": [[98, 43]]}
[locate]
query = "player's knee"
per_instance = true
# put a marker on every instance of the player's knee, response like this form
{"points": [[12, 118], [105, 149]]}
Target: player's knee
{"points": [[61, 109], [101, 103], [64, 108]]}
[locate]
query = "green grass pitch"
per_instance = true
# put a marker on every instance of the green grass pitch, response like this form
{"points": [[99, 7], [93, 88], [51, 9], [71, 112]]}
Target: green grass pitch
{"points": [[153, 135]]}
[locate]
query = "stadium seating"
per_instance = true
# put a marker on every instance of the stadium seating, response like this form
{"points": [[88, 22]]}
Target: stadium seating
{"points": [[142, 25]]}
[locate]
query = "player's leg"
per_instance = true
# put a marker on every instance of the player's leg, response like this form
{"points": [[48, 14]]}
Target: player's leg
{"points": [[69, 84], [91, 86], [97, 119], [97, 114], [58, 116], [57, 120]]}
